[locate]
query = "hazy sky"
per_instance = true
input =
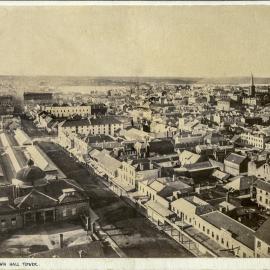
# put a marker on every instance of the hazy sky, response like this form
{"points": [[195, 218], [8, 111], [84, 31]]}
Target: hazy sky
{"points": [[135, 41]]}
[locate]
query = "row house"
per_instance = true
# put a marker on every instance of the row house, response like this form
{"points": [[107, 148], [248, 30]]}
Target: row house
{"points": [[66, 110], [224, 105], [84, 143], [106, 163], [160, 193], [261, 193], [163, 190], [189, 207], [256, 140], [259, 168], [228, 233], [94, 126], [187, 140], [134, 171], [227, 119]]}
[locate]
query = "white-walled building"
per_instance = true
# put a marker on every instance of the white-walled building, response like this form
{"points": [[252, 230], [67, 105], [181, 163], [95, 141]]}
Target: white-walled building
{"points": [[94, 126], [66, 110], [262, 241], [257, 140]]}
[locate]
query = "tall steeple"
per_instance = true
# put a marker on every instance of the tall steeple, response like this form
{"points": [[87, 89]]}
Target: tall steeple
{"points": [[252, 87]]}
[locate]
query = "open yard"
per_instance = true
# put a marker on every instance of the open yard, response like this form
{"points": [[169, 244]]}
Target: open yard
{"points": [[42, 238]]}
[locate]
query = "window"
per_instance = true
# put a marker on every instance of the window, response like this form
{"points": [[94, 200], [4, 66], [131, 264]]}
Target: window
{"points": [[258, 255], [268, 250], [244, 255], [222, 241], [217, 237], [260, 199], [213, 235], [208, 231], [266, 200], [73, 211], [64, 212], [203, 228], [13, 221], [258, 244]]}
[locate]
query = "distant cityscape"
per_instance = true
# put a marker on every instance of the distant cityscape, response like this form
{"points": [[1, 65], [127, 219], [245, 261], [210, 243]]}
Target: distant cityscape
{"points": [[134, 167]]}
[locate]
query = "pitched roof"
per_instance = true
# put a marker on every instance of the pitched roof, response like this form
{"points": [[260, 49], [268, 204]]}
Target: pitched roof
{"points": [[105, 120], [161, 147], [239, 231], [261, 184], [108, 161], [190, 156], [199, 166], [240, 183], [235, 158], [75, 123], [35, 198], [197, 205], [220, 175], [263, 232]]}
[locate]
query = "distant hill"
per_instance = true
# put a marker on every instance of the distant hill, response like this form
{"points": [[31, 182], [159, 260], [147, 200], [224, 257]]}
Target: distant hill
{"points": [[234, 80], [85, 80]]}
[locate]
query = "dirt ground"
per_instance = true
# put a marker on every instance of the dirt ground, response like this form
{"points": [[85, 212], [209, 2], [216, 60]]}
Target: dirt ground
{"points": [[41, 238]]}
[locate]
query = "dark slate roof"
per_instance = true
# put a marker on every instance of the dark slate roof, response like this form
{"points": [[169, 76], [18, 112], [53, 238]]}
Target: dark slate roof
{"points": [[173, 186], [98, 138], [104, 121], [162, 147], [72, 123], [35, 198], [239, 231], [199, 166], [30, 173], [52, 191], [235, 158], [263, 232]]}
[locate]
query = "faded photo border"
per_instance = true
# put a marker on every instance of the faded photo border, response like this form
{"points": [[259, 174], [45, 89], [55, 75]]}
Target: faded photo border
{"points": [[134, 263]]}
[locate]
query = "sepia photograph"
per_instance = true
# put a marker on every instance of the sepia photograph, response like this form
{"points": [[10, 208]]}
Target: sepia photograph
{"points": [[134, 131]]}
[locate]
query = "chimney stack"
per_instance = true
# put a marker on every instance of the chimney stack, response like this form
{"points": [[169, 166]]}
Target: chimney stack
{"points": [[61, 240], [228, 196]]}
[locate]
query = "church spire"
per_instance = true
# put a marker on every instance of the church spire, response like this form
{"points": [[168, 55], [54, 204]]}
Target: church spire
{"points": [[252, 87], [252, 80]]}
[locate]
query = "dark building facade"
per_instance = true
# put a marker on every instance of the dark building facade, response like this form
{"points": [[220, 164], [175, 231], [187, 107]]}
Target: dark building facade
{"points": [[38, 97]]}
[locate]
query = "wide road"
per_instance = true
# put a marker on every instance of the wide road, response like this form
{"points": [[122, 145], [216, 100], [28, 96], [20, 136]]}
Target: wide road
{"points": [[133, 233]]}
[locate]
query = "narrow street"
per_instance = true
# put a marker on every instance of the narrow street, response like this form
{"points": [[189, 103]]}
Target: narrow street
{"points": [[134, 234]]}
